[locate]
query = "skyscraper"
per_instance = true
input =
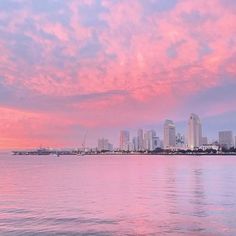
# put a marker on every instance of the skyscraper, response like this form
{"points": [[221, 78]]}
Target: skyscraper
{"points": [[149, 140], [135, 144], [140, 140], [194, 132], [124, 140], [226, 139], [169, 134]]}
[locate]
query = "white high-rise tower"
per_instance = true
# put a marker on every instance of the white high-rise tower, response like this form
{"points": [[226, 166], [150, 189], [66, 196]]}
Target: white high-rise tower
{"points": [[194, 132], [149, 140], [140, 140], [124, 140], [169, 134]]}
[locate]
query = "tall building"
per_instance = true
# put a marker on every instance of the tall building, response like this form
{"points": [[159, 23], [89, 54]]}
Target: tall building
{"points": [[149, 140], [135, 144], [169, 134], [104, 145], [194, 132], [226, 139], [140, 140], [124, 140]]}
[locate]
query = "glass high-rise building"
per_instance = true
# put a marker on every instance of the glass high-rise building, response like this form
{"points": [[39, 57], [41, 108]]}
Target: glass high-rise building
{"points": [[124, 140], [149, 140], [194, 132], [140, 140], [169, 134]]}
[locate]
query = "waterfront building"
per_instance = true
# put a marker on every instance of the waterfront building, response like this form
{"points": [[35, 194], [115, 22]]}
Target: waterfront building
{"points": [[149, 140], [104, 145], [124, 140], [146, 141], [157, 143], [180, 141], [135, 144], [140, 140], [215, 142], [169, 135], [206, 147], [130, 146], [194, 132], [226, 139]]}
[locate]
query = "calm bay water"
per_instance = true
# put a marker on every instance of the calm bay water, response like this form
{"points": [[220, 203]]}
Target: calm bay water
{"points": [[125, 195]]}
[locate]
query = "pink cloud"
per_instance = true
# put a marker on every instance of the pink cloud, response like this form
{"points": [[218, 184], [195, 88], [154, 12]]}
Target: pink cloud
{"points": [[158, 61]]}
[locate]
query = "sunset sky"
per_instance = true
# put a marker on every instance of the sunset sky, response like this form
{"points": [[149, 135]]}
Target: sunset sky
{"points": [[70, 67]]}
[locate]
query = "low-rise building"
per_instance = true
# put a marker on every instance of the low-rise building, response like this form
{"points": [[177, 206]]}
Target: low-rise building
{"points": [[104, 145], [205, 147]]}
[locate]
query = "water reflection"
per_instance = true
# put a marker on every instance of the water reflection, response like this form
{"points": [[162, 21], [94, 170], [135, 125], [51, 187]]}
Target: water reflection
{"points": [[117, 196]]}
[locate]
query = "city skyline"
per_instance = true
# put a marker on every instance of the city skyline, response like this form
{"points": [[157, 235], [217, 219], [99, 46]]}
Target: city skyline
{"points": [[172, 138], [181, 131], [70, 68]]}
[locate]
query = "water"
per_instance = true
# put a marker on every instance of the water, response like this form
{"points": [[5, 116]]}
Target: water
{"points": [[126, 195]]}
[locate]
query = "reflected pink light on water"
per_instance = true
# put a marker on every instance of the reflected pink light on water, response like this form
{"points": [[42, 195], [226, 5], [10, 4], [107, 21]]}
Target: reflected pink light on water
{"points": [[119, 195]]}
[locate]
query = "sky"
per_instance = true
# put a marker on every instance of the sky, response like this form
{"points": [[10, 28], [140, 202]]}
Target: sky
{"points": [[75, 67]]}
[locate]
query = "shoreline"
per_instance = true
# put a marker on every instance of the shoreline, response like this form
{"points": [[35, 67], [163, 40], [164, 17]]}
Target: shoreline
{"points": [[72, 153]]}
